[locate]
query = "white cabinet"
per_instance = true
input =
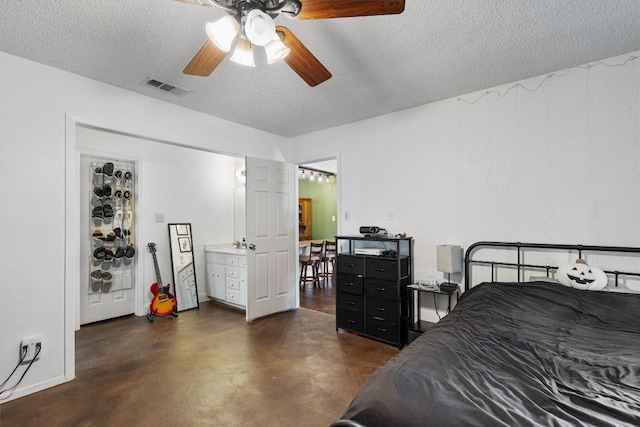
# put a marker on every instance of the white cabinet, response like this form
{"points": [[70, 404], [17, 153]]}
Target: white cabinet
{"points": [[227, 277]]}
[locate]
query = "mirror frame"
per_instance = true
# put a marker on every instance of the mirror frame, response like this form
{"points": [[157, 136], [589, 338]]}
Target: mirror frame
{"points": [[181, 245]]}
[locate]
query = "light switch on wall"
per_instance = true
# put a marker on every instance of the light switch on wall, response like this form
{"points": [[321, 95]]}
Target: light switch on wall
{"points": [[159, 217]]}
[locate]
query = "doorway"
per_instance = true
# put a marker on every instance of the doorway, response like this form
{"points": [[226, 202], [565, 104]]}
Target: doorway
{"points": [[317, 223]]}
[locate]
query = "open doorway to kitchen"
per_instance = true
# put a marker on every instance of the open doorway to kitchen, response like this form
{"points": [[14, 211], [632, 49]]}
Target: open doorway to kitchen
{"points": [[318, 225]]}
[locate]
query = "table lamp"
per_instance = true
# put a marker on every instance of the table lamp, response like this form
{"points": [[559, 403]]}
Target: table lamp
{"points": [[449, 261]]}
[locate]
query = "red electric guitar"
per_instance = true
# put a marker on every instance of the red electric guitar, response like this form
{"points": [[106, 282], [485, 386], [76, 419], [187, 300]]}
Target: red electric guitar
{"points": [[163, 303]]}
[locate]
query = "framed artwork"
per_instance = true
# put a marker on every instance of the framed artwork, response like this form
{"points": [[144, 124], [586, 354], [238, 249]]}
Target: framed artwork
{"points": [[182, 230], [185, 244]]}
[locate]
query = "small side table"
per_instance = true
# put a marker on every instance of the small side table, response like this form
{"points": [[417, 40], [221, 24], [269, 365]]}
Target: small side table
{"points": [[415, 326]]}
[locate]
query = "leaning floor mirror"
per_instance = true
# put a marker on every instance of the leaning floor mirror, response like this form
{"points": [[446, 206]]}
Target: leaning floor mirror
{"points": [[182, 262]]}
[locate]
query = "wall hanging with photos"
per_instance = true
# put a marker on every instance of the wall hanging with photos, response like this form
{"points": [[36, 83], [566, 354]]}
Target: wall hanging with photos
{"points": [[112, 222]]}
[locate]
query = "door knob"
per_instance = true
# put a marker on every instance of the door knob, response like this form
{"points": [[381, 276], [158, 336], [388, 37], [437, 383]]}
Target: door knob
{"points": [[252, 247]]}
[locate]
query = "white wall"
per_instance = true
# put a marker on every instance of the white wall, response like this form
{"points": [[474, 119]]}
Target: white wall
{"points": [[37, 103], [559, 164]]}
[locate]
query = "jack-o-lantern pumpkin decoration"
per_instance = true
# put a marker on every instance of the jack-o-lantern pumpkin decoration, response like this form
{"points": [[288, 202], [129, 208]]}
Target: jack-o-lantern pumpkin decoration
{"points": [[580, 276]]}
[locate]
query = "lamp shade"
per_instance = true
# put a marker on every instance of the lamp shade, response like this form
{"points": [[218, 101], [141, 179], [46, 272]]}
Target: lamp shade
{"points": [[222, 32], [259, 27], [243, 53], [449, 258], [276, 50]]}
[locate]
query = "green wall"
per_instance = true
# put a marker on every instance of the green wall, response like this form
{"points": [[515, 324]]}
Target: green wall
{"points": [[324, 205]]}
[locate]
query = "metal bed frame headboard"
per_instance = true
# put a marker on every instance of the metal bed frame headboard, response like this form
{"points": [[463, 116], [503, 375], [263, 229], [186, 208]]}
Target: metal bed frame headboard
{"points": [[521, 266]]}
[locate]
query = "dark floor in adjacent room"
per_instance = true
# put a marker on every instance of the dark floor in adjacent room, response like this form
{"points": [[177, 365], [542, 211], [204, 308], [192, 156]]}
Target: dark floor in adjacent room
{"points": [[207, 368], [319, 298]]}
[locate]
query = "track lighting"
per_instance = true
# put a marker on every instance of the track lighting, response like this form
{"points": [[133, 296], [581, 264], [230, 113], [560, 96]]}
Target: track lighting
{"points": [[315, 175]]}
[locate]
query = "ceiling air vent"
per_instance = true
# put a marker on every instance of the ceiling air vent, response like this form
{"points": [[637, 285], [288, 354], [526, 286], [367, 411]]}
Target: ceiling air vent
{"points": [[165, 87]]}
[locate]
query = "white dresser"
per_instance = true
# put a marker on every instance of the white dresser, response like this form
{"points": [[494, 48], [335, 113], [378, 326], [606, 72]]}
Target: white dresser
{"points": [[227, 275]]}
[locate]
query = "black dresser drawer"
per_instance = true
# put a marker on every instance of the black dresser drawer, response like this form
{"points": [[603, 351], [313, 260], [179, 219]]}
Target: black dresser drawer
{"points": [[382, 308], [382, 289], [350, 264], [383, 328], [345, 301], [351, 283], [384, 268], [352, 320]]}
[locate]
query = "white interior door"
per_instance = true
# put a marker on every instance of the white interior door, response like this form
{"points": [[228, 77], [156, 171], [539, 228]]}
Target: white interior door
{"points": [[110, 294], [271, 238]]}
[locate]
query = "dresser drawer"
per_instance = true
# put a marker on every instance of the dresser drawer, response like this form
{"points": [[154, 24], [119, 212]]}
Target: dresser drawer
{"points": [[233, 283], [345, 301], [233, 295], [352, 320], [382, 289], [382, 308], [233, 272], [384, 268], [350, 283], [350, 264], [383, 328], [232, 260]]}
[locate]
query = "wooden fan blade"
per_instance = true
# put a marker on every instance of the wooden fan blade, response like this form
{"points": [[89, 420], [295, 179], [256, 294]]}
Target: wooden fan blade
{"points": [[206, 60], [323, 9], [301, 60]]}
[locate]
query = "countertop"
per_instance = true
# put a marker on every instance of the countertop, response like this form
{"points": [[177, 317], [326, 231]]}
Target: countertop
{"points": [[227, 248]]}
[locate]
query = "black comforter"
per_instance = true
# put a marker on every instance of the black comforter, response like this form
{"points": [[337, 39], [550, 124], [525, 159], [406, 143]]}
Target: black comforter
{"points": [[515, 355]]}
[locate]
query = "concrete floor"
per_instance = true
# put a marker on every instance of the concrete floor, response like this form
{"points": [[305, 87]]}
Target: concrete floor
{"points": [[207, 368]]}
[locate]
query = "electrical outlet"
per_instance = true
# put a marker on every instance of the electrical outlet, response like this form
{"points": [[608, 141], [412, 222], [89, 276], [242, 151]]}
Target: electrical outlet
{"points": [[29, 348], [347, 215], [159, 217]]}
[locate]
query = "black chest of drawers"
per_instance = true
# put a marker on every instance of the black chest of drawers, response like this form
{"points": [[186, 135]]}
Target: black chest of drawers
{"points": [[371, 290]]}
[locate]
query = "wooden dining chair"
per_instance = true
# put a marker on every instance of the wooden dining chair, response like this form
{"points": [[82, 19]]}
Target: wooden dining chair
{"points": [[329, 259], [316, 252], [313, 260]]}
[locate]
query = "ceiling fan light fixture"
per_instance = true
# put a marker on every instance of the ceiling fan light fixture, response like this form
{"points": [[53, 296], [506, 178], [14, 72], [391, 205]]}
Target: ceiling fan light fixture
{"points": [[223, 32], [291, 9], [259, 27], [243, 53], [276, 50]]}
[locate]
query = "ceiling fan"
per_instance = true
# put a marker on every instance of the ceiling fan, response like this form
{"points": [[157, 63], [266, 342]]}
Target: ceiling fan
{"points": [[250, 23]]}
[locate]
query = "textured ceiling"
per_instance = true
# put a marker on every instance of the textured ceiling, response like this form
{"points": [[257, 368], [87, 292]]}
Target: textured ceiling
{"points": [[436, 49]]}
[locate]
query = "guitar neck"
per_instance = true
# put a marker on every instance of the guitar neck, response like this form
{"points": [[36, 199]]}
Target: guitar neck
{"points": [[155, 264]]}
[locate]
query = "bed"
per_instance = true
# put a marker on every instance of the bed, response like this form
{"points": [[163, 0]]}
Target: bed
{"points": [[519, 352]]}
